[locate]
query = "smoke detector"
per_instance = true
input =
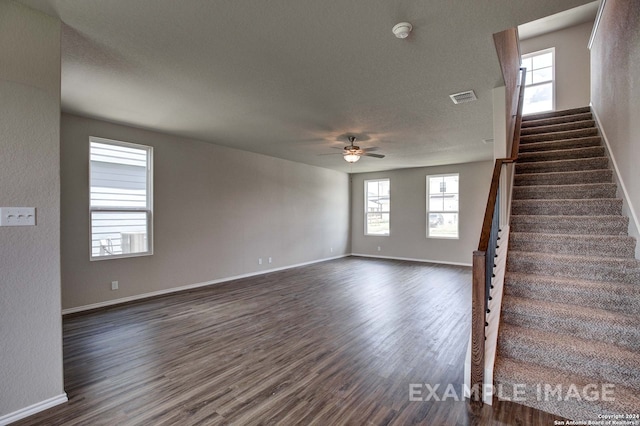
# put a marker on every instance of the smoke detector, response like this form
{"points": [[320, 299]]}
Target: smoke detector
{"points": [[402, 29], [462, 97]]}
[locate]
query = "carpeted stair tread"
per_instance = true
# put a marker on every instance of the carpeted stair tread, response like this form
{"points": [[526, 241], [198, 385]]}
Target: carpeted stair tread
{"points": [[613, 296], [601, 361], [551, 114], [573, 320], [572, 191], [581, 207], [562, 178], [556, 120], [510, 372], [568, 165], [557, 127], [574, 244], [566, 134], [583, 267], [561, 154], [561, 144], [592, 225]]}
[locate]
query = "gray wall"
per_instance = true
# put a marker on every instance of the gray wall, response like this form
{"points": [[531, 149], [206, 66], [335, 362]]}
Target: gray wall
{"points": [[615, 89], [217, 210], [30, 320], [572, 63], [407, 237]]}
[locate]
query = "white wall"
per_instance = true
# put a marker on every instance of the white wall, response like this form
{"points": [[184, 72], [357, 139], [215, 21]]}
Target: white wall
{"points": [[30, 319], [407, 237], [615, 89], [572, 63], [217, 210]]}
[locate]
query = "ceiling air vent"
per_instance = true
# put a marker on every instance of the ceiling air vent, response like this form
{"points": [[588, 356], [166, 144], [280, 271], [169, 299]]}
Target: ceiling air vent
{"points": [[462, 97]]}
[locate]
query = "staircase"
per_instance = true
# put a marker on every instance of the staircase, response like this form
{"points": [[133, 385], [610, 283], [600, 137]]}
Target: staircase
{"points": [[571, 306]]}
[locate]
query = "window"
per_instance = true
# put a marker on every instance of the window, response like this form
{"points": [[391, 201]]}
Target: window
{"points": [[442, 206], [377, 207], [120, 181], [539, 92]]}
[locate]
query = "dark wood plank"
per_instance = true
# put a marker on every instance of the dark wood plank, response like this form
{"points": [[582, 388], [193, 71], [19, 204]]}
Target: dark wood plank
{"points": [[329, 344]]}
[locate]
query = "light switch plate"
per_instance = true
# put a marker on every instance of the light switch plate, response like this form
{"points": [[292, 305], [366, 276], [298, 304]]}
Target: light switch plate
{"points": [[17, 216]]}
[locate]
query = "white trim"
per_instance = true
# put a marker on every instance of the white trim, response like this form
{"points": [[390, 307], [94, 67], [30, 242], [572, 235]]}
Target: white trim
{"points": [[596, 24], [189, 287], [442, 262], [619, 181], [33, 409]]}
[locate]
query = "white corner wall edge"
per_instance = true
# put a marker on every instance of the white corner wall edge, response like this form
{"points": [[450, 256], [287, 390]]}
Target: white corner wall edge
{"points": [[491, 343], [596, 24], [33, 409], [189, 287], [634, 223], [409, 259]]}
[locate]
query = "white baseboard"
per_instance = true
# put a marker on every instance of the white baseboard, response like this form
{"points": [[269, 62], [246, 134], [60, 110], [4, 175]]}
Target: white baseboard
{"points": [[442, 262], [33, 409], [634, 223], [188, 287]]}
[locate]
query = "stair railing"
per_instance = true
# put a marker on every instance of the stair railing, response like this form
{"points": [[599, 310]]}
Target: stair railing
{"points": [[484, 257]]}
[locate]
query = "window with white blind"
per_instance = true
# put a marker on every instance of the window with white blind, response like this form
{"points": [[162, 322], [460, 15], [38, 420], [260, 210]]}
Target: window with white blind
{"points": [[377, 207], [120, 181], [539, 91]]}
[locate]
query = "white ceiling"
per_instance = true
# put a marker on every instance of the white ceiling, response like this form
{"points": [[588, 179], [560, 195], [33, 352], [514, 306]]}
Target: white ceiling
{"points": [[292, 78]]}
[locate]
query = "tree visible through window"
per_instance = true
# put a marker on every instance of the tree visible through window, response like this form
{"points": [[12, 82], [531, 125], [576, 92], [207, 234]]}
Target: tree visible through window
{"points": [[120, 198], [442, 206], [377, 207], [539, 87]]}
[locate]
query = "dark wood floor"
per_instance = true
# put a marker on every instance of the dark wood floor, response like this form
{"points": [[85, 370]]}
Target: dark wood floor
{"points": [[329, 344]]}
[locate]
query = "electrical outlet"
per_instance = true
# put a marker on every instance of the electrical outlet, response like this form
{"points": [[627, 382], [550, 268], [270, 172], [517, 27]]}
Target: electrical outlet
{"points": [[270, 260], [114, 285], [379, 248], [259, 261], [331, 250], [17, 216]]}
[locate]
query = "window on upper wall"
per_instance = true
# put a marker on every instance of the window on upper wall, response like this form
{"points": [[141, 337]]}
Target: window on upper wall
{"points": [[377, 207], [442, 206], [539, 92], [120, 181]]}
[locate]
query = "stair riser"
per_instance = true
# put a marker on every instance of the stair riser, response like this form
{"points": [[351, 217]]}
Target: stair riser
{"points": [[573, 269], [564, 207], [621, 299], [565, 154], [561, 192], [578, 362], [622, 248], [561, 144], [575, 165], [556, 120], [572, 225], [552, 114], [627, 337], [554, 136], [571, 178], [561, 127]]}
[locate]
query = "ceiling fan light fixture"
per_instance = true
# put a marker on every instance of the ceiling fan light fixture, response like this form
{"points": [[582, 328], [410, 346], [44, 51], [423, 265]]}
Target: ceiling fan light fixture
{"points": [[351, 157]]}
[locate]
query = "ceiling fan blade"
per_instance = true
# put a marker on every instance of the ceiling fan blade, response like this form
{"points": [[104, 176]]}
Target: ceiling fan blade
{"points": [[374, 155], [331, 153], [371, 148], [337, 147]]}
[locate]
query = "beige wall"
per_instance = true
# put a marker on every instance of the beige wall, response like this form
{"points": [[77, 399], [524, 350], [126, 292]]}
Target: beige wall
{"points": [[407, 237], [30, 320], [572, 63], [217, 210], [615, 89]]}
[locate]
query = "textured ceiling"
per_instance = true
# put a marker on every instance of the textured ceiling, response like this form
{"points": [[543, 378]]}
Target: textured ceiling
{"points": [[292, 78]]}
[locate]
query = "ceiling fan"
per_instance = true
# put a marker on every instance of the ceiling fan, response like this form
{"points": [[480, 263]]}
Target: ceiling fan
{"points": [[352, 153]]}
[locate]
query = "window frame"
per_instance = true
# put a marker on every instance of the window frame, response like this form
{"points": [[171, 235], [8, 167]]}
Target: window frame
{"points": [[149, 197], [429, 211], [551, 50], [366, 212]]}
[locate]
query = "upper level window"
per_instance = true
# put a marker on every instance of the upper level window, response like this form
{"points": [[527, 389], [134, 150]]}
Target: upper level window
{"points": [[442, 206], [377, 207], [120, 181], [539, 92]]}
